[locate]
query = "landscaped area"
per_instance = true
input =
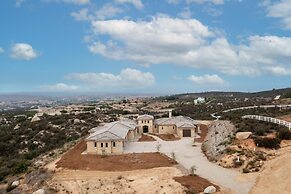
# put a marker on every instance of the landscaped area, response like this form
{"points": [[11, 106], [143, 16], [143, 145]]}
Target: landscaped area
{"points": [[168, 137], [73, 159], [194, 183], [144, 137]]}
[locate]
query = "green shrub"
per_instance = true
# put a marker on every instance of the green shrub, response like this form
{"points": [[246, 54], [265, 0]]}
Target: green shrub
{"points": [[284, 134], [272, 143]]}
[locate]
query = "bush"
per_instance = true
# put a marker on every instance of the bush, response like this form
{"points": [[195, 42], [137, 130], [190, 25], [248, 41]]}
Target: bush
{"points": [[284, 134], [272, 143]]}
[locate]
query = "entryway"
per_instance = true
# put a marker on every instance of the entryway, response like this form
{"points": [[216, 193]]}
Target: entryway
{"points": [[186, 133], [145, 129]]}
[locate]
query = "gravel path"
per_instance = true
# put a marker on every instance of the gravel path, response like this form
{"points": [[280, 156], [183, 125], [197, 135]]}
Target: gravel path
{"points": [[187, 156]]}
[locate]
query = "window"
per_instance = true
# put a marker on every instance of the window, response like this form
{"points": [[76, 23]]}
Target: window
{"points": [[113, 144], [173, 127], [95, 144], [141, 121], [148, 121], [162, 127], [101, 145], [106, 144]]}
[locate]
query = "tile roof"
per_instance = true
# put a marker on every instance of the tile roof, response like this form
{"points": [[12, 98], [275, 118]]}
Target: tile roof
{"points": [[112, 131], [179, 121], [145, 116]]}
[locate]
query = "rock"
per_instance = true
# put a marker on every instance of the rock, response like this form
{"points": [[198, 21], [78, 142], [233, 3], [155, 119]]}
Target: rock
{"points": [[16, 127], [15, 183], [40, 191], [243, 135], [35, 118], [76, 121], [210, 189]]}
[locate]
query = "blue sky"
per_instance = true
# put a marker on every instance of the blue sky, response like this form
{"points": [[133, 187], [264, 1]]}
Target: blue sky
{"points": [[144, 46]]}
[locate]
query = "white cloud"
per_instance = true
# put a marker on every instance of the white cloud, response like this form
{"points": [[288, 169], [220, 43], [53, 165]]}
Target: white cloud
{"points": [[60, 87], [186, 13], [107, 11], [23, 51], [279, 70], [136, 3], [1, 50], [188, 42], [280, 9], [77, 2], [173, 1], [82, 15], [207, 80], [127, 78], [217, 2], [19, 2]]}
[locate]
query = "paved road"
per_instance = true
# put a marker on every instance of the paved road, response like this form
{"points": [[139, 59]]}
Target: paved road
{"points": [[187, 156]]}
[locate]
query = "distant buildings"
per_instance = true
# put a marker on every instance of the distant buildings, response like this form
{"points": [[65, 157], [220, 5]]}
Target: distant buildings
{"points": [[199, 100]]}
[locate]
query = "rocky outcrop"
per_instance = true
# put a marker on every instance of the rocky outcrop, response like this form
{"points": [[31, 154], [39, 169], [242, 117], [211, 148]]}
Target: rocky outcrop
{"points": [[219, 137]]}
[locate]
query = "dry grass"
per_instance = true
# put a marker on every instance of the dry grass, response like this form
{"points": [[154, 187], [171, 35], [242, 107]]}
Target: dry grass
{"points": [[146, 138]]}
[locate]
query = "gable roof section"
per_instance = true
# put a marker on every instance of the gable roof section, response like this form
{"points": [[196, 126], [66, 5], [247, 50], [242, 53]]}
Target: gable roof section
{"points": [[179, 121], [145, 117], [112, 131]]}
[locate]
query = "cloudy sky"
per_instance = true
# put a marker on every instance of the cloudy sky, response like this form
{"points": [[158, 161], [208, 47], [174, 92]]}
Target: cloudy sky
{"points": [[149, 46]]}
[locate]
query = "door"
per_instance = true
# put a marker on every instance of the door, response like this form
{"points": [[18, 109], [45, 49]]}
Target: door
{"points": [[186, 133], [145, 129]]}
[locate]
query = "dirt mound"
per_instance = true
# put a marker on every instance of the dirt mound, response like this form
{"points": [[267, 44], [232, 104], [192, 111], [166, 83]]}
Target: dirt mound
{"points": [[146, 138], [195, 183], [275, 178], [73, 159]]}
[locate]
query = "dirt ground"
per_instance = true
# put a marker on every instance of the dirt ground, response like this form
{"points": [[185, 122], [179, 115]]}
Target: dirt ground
{"points": [[285, 118], [156, 180], [195, 183], [204, 131], [275, 177], [74, 160], [146, 138], [167, 137]]}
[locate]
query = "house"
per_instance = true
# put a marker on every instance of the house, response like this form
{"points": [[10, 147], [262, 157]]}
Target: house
{"points": [[110, 138], [199, 100]]}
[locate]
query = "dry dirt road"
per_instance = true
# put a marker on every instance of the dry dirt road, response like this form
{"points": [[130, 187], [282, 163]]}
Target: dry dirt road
{"points": [[276, 175]]}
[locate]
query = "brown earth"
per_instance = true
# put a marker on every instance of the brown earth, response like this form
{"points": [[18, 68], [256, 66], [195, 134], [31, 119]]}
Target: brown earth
{"points": [[275, 177], [285, 118], [168, 137], [156, 180], [204, 131], [73, 159], [195, 183], [146, 138]]}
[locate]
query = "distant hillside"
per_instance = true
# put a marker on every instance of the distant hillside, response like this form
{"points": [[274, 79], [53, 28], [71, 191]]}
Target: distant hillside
{"points": [[263, 94]]}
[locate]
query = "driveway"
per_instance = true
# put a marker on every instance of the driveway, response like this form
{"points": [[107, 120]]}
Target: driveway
{"points": [[187, 156]]}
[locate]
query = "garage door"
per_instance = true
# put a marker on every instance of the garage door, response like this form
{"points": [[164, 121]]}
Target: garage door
{"points": [[186, 133]]}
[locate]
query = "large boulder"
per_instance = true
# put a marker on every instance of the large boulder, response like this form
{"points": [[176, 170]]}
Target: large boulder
{"points": [[15, 183], [40, 191], [35, 118], [210, 189], [243, 135]]}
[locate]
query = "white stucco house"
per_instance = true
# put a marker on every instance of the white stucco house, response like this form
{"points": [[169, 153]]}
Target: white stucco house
{"points": [[110, 138]]}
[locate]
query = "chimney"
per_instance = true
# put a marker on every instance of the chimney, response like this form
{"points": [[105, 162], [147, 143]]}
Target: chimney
{"points": [[170, 113]]}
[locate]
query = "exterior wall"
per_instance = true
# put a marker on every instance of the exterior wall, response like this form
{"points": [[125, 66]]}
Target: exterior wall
{"points": [[130, 135], [118, 149], [149, 123], [180, 132], [167, 129]]}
